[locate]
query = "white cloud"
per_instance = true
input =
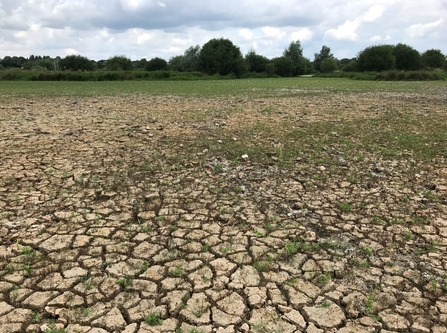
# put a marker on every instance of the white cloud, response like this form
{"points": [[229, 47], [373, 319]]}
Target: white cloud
{"points": [[20, 34], [375, 39], [132, 4], [303, 35], [373, 13], [346, 31], [246, 34], [420, 30], [273, 32], [70, 51], [144, 37]]}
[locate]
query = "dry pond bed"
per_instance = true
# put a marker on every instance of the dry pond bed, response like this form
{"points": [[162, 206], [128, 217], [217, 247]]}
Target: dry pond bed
{"points": [[294, 213]]}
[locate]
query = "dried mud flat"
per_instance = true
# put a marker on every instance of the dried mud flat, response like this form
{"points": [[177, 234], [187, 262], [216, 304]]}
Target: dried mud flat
{"points": [[115, 217]]}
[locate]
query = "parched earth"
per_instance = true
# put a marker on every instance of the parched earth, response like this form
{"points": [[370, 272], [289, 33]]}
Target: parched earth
{"points": [[124, 214]]}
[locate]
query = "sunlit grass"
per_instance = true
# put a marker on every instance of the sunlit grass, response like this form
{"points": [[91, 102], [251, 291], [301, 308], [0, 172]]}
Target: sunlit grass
{"points": [[273, 87]]}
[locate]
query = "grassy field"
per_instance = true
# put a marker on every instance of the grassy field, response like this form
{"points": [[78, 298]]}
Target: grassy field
{"points": [[249, 87]]}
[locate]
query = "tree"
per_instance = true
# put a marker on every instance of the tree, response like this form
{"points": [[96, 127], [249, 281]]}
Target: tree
{"points": [[139, 64], [190, 59], [221, 56], [351, 66], [76, 63], [325, 53], [376, 58], [407, 58], [284, 66], [174, 63], [255, 63], [432, 59], [13, 62], [119, 63], [156, 64], [295, 53], [328, 65]]}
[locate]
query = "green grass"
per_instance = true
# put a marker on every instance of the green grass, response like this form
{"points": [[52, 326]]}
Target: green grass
{"points": [[272, 87]]}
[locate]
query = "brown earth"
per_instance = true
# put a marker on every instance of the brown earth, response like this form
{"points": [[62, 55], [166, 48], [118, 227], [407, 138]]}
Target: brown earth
{"points": [[116, 212]]}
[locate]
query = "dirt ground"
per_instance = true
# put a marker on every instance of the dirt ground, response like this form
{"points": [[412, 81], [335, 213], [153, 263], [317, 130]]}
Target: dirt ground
{"points": [[123, 214]]}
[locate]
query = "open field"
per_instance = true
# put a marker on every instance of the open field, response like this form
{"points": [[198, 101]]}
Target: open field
{"points": [[282, 205]]}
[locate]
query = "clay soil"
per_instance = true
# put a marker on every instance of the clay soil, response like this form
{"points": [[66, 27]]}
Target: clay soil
{"points": [[304, 212]]}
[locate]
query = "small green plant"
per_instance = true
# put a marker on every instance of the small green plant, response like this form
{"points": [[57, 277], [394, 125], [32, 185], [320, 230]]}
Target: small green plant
{"points": [[322, 279], [36, 317], [367, 251], [153, 320], [257, 233], [369, 304], [218, 168], [206, 248], [344, 207], [352, 180], [292, 248], [396, 220], [177, 271], [28, 269], [86, 312], [325, 304], [408, 236], [359, 263], [10, 268], [378, 220], [125, 282], [269, 226], [260, 265], [147, 229], [291, 282]]}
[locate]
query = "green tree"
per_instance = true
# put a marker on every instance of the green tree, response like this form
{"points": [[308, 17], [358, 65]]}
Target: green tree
{"points": [[76, 63], [221, 56], [156, 64], [13, 62], [283, 66], [139, 64], [119, 63], [432, 59], [190, 59], [174, 63], [328, 65], [255, 63], [295, 53], [407, 58], [376, 58], [351, 66], [325, 53]]}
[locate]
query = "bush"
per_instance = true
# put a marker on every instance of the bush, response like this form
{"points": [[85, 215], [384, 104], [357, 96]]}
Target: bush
{"points": [[433, 59], [328, 65], [156, 64], [221, 56], [119, 63], [376, 58], [350, 67], [407, 58], [283, 66]]}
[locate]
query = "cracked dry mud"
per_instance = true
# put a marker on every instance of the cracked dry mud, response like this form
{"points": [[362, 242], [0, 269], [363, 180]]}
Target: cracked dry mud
{"points": [[113, 221]]}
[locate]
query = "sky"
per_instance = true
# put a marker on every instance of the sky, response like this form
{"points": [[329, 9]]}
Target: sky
{"points": [[100, 29]]}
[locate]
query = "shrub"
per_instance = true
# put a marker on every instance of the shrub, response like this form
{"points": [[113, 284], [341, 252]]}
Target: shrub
{"points": [[376, 58]]}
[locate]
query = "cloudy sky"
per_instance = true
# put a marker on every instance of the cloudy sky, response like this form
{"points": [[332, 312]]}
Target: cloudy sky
{"points": [[139, 29]]}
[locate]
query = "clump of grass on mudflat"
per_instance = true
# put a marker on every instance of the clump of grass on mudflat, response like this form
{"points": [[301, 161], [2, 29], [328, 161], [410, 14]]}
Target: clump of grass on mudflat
{"points": [[390, 136]]}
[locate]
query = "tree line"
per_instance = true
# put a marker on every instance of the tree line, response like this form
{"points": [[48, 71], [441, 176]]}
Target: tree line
{"points": [[221, 56]]}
